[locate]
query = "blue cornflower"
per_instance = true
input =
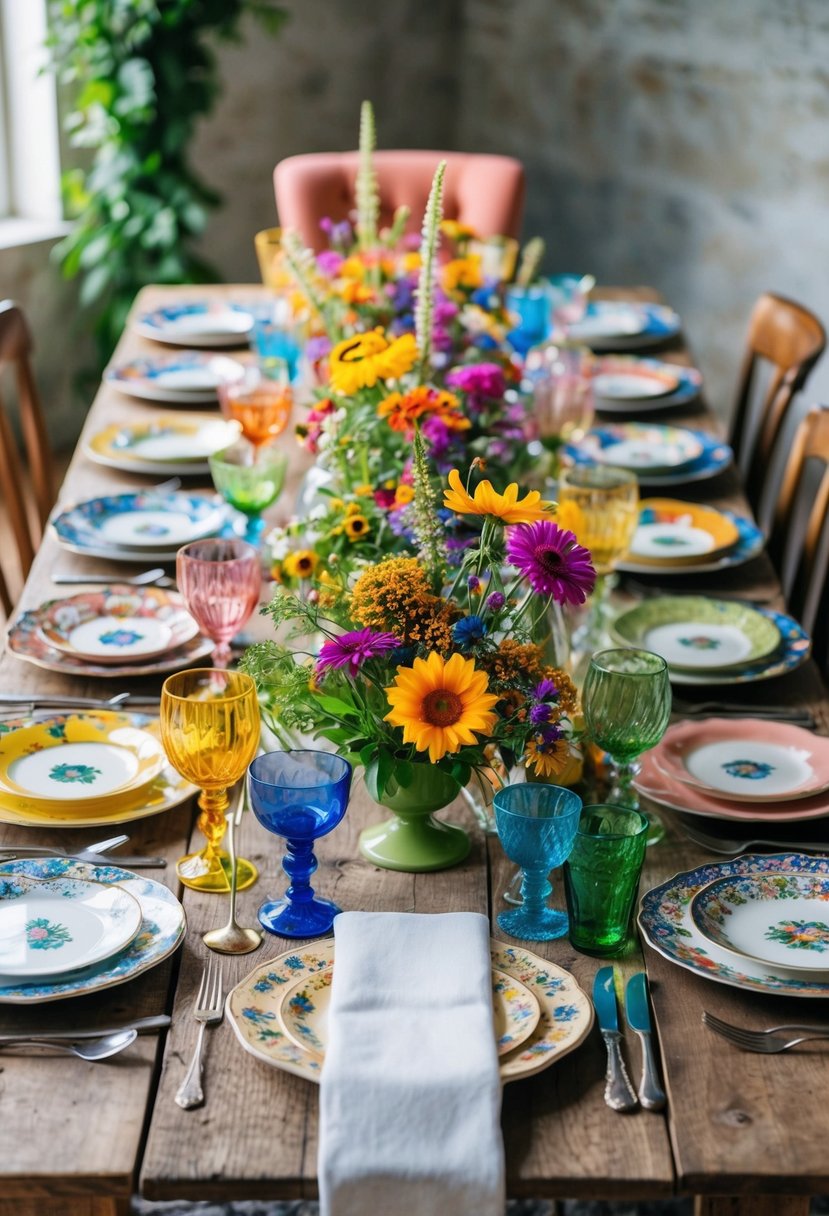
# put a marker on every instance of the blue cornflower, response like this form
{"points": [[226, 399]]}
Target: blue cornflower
{"points": [[468, 631]]}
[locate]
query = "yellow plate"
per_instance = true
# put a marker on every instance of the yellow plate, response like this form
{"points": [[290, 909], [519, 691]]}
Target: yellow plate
{"points": [[674, 533], [168, 790], [84, 762]]}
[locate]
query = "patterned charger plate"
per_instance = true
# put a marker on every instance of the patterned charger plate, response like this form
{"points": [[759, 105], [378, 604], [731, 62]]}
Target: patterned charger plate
{"points": [[139, 527], [617, 379], [191, 378], [197, 323], [667, 925], [622, 325], [714, 457], [161, 930], [698, 632], [750, 543], [167, 446], [566, 1013]]}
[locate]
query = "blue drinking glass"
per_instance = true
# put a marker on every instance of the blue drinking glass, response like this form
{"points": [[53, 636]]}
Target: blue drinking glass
{"points": [[531, 305], [537, 825], [277, 338], [300, 795]]}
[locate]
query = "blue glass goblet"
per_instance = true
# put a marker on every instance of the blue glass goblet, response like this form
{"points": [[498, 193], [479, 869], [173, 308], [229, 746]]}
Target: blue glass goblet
{"points": [[300, 795], [537, 825]]}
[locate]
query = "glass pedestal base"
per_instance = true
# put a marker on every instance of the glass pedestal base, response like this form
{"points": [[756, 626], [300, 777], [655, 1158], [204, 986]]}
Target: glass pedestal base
{"points": [[309, 918], [195, 871], [543, 926]]}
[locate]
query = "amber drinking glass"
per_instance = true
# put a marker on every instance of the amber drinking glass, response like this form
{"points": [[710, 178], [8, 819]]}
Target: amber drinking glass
{"points": [[260, 404], [210, 732]]}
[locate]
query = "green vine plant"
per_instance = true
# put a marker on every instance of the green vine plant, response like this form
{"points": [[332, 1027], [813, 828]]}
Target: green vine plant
{"points": [[140, 73]]}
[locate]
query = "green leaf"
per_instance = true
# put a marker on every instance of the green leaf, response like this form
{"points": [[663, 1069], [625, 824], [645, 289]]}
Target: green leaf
{"points": [[378, 774], [334, 705]]}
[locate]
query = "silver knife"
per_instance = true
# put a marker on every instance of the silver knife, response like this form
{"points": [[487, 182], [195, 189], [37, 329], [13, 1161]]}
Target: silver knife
{"points": [[651, 1094], [619, 1093], [142, 1025]]}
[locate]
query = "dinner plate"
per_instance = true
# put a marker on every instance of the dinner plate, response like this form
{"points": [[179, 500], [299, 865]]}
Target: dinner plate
{"points": [[696, 632], [95, 758], [750, 543], [167, 446], [643, 448], [197, 323], [566, 1012], [161, 930], [667, 926], [117, 624], [146, 526], [673, 533], [191, 378], [624, 384], [622, 325], [778, 920], [303, 1011], [744, 760], [52, 926], [715, 457], [794, 650], [690, 800]]}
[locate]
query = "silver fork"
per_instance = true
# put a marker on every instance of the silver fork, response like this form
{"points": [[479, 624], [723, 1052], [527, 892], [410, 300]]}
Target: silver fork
{"points": [[764, 1041], [209, 1010]]}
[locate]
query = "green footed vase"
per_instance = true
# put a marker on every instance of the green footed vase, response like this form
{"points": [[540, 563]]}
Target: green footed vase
{"points": [[413, 840]]}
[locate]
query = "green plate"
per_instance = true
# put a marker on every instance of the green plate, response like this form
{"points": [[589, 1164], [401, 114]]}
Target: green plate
{"points": [[696, 633]]}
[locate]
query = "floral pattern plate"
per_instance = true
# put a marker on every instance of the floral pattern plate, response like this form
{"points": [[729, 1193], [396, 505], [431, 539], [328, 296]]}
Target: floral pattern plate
{"points": [[117, 624], [695, 631], [160, 933], [191, 378], [625, 383], [750, 543], [138, 527], [779, 920], [167, 790], [673, 533], [167, 446], [666, 924], [197, 323], [566, 1012], [303, 1011], [714, 457], [50, 927], [621, 325], [642, 448], [794, 649]]}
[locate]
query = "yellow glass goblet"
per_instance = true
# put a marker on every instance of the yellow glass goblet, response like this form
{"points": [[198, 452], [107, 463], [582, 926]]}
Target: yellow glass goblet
{"points": [[210, 732]]}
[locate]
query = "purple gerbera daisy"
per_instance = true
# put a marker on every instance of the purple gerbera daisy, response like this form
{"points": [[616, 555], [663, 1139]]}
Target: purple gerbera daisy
{"points": [[351, 650], [552, 560]]}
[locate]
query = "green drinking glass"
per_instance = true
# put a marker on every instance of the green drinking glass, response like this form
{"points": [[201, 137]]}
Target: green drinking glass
{"points": [[627, 707], [250, 480], [601, 877]]}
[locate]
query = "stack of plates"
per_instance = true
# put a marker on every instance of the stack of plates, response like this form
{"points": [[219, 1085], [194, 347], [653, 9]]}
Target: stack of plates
{"points": [[166, 446], [148, 526], [68, 928], [191, 378], [111, 632], [739, 769], [85, 770], [660, 455], [624, 383], [676, 537], [197, 323], [758, 923], [622, 325], [708, 641], [280, 1011]]}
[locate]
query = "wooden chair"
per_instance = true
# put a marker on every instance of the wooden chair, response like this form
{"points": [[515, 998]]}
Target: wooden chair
{"points": [[27, 519], [486, 192], [799, 538], [791, 339]]}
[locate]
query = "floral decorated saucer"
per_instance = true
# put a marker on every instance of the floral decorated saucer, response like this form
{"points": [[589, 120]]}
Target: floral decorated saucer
{"points": [[191, 378], [750, 542], [644, 448], [697, 632], [167, 446], [778, 920], [674, 533], [713, 458], [117, 625], [197, 323], [52, 926], [137, 527]]}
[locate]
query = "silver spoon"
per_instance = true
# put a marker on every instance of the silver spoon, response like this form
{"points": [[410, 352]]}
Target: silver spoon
{"points": [[233, 938], [92, 1049]]}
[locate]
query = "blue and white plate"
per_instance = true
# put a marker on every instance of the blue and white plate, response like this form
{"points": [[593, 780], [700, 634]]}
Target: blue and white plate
{"points": [[633, 384], [197, 323], [713, 458], [624, 325], [666, 924], [160, 933], [139, 527], [795, 648], [750, 544], [191, 378]]}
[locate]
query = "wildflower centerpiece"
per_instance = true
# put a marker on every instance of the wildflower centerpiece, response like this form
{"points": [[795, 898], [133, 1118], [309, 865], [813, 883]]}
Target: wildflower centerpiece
{"points": [[428, 675]]}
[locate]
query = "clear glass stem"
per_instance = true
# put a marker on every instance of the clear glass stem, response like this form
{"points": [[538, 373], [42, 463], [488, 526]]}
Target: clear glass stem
{"points": [[622, 792]]}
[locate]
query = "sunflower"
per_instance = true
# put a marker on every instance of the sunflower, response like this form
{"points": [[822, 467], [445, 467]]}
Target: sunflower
{"points": [[441, 704], [360, 361], [300, 564], [462, 273], [356, 527], [548, 759], [507, 506]]}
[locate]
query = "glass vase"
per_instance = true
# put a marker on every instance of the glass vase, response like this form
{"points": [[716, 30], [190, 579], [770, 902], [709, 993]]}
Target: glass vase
{"points": [[413, 840]]}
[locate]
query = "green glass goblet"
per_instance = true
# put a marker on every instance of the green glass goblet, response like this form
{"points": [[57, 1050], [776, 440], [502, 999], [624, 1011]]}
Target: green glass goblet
{"points": [[601, 877], [250, 480], [627, 707]]}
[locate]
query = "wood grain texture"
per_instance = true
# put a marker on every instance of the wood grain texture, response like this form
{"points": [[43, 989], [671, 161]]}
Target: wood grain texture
{"points": [[751, 1205]]}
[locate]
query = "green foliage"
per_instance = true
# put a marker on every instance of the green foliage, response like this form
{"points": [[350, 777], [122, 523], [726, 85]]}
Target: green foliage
{"points": [[141, 74]]}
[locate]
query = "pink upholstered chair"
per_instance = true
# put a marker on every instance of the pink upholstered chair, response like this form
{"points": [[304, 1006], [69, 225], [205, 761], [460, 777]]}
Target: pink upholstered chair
{"points": [[486, 192]]}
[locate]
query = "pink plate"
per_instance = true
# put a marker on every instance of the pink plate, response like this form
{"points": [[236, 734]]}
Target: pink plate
{"points": [[743, 760]]}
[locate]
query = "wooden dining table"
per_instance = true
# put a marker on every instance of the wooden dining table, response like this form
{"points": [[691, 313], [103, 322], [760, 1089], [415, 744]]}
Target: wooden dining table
{"points": [[745, 1133]]}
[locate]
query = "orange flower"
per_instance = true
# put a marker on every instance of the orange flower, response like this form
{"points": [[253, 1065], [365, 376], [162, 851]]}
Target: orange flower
{"points": [[462, 273], [401, 410]]}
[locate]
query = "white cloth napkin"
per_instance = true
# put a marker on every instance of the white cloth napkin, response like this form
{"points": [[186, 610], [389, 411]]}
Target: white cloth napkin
{"points": [[411, 1095]]}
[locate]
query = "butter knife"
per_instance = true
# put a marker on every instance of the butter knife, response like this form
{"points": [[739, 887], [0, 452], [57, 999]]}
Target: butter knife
{"points": [[619, 1094], [651, 1094]]}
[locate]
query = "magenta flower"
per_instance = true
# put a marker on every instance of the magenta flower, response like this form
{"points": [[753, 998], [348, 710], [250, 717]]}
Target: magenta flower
{"points": [[552, 560], [478, 379], [329, 262], [353, 649]]}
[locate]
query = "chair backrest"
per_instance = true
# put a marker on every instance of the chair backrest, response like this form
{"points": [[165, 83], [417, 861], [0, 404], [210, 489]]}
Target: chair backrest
{"points": [[486, 192], [799, 539], [27, 520], [791, 339]]}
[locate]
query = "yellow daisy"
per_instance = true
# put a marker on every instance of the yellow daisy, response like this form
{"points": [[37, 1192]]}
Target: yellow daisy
{"points": [[360, 361], [550, 760], [507, 507], [356, 527], [440, 704], [462, 272]]}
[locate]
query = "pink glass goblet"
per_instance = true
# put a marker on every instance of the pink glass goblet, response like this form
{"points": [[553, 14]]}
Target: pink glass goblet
{"points": [[220, 581]]}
